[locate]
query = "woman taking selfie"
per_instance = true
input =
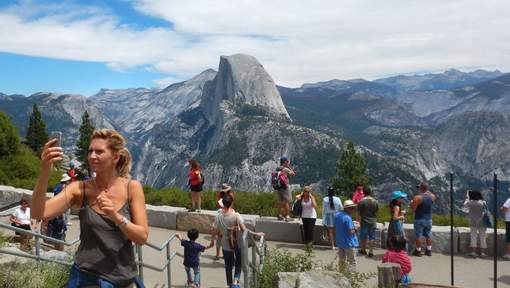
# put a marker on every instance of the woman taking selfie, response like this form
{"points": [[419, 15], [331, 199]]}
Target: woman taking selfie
{"points": [[112, 212]]}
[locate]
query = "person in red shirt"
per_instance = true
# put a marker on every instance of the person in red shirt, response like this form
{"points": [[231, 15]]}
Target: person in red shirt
{"points": [[397, 254], [358, 194], [72, 172], [195, 182]]}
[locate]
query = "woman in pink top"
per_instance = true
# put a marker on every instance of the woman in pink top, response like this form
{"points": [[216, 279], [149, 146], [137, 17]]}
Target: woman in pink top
{"points": [[358, 194], [397, 254]]}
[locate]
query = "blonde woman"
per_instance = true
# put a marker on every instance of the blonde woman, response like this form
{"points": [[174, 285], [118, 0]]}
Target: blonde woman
{"points": [[112, 212], [309, 213]]}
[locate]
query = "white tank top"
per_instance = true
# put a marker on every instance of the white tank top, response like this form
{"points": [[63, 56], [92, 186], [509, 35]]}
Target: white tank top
{"points": [[308, 210]]}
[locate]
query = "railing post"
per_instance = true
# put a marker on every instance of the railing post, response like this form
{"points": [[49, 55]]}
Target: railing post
{"points": [[244, 259], [37, 248], [140, 261], [169, 266], [254, 263]]}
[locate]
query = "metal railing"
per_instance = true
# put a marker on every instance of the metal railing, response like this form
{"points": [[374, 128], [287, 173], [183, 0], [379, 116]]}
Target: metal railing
{"points": [[138, 251], [256, 265], [38, 236], [167, 265]]}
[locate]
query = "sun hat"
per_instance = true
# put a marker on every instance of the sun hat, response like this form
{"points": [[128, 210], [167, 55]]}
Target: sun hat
{"points": [[398, 194], [225, 188], [349, 204], [65, 178]]}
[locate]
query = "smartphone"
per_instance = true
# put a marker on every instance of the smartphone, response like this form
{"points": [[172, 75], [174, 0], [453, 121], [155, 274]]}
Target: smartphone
{"points": [[56, 135]]}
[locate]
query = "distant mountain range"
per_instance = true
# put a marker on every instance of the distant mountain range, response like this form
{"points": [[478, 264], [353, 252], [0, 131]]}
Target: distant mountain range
{"points": [[237, 122]]}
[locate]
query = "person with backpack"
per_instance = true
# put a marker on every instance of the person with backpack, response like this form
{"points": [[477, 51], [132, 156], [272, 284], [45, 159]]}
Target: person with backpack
{"points": [[196, 183], [367, 209], [330, 205], [281, 185], [230, 225], [308, 214], [474, 206]]}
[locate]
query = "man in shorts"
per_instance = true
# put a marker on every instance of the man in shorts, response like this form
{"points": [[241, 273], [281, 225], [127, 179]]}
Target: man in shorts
{"points": [[367, 209], [422, 207], [283, 194]]}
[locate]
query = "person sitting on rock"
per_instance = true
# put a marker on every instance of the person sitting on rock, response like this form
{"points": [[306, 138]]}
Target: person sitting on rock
{"points": [[397, 254]]}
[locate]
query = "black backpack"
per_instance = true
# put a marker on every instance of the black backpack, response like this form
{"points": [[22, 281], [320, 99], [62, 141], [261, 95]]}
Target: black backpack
{"points": [[297, 207]]}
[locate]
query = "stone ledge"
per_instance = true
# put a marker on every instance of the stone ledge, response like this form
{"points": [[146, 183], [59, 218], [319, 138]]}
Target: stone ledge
{"points": [[464, 241], [163, 216]]}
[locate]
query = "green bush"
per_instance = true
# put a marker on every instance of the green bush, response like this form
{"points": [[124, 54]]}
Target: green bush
{"points": [[279, 260], [31, 274], [3, 239]]}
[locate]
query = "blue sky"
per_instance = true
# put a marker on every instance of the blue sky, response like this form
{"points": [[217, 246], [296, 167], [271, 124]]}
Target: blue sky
{"points": [[80, 47]]}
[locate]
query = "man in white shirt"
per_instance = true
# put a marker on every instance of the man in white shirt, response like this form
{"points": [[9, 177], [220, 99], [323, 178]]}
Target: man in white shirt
{"points": [[506, 210], [21, 216]]}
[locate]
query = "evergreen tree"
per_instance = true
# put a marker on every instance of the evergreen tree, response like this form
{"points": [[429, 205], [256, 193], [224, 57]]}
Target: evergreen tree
{"points": [[36, 131], [86, 130], [351, 170], [9, 140]]}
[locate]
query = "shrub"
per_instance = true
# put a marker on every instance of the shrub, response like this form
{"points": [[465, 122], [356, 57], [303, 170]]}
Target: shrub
{"points": [[31, 274], [279, 260]]}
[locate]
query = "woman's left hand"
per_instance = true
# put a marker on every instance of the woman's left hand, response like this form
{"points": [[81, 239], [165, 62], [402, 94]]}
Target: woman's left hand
{"points": [[106, 205]]}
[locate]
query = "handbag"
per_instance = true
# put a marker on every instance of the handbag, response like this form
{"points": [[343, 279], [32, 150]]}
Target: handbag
{"points": [[487, 217], [233, 243], [297, 207]]}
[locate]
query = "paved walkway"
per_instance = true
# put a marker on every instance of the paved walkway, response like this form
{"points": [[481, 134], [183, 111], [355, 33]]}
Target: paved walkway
{"points": [[476, 273]]}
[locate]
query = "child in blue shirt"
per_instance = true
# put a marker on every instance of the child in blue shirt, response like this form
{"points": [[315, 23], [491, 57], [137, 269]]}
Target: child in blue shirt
{"points": [[192, 252]]}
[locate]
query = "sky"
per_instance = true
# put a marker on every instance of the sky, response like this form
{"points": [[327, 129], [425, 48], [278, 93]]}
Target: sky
{"points": [[80, 47]]}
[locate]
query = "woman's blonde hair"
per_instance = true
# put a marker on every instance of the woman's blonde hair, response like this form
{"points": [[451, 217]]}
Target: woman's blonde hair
{"points": [[116, 143]]}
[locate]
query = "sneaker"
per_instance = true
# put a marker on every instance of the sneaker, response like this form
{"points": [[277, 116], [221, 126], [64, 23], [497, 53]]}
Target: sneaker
{"points": [[191, 210], [370, 255], [472, 254], [506, 257], [362, 252], [216, 258], [69, 224], [287, 218], [198, 210], [416, 253], [428, 252], [280, 217], [483, 255]]}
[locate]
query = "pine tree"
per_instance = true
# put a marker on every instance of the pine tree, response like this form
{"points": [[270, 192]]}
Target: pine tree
{"points": [[36, 131], [351, 170], [9, 141], [86, 130]]}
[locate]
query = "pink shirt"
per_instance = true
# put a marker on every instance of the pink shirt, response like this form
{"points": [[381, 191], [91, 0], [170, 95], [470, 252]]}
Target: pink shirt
{"points": [[358, 195], [399, 258]]}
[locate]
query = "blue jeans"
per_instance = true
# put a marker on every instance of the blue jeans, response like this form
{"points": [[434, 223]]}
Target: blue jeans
{"points": [[196, 272], [232, 259], [78, 278]]}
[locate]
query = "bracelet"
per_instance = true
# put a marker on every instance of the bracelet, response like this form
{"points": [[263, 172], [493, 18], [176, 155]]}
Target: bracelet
{"points": [[123, 223]]}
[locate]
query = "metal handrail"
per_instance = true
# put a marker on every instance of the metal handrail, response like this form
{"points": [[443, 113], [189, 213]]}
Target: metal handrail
{"points": [[168, 263], [138, 250], [256, 250]]}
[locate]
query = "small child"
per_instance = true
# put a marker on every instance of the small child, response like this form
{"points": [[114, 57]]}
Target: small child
{"points": [[192, 252], [397, 254]]}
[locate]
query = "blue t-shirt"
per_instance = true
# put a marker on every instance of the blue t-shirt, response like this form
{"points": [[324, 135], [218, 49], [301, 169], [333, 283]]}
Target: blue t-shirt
{"points": [[191, 253], [343, 225]]}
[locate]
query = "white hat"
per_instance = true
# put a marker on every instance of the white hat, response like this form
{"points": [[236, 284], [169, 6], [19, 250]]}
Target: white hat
{"points": [[349, 204], [65, 178]]}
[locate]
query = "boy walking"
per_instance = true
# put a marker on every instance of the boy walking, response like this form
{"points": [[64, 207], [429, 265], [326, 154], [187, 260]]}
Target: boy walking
{"points": [[192, 252]]}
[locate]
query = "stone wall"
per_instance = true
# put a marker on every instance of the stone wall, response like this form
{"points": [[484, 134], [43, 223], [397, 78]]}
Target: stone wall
{"points": [[180, 219]]}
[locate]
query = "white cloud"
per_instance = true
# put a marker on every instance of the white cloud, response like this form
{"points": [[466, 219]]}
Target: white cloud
{"points": [[297, 41]]}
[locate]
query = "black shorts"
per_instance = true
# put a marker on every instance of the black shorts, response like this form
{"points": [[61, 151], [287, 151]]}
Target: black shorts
{"points": [[196, 188], [507, 232]]}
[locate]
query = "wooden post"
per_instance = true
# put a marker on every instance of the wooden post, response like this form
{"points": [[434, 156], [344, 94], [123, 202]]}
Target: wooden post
{"points": [[388, 275]]}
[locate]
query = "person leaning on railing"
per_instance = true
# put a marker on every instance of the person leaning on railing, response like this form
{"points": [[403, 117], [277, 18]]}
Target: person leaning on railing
{"points": [[112, 212]]}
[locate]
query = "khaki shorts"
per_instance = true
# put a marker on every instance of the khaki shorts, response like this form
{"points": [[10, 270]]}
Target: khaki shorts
{"points": [[284, 195]]}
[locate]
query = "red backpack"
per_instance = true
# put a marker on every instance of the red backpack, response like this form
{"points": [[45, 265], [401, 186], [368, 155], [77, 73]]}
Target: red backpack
{"points": [[279, 180]]}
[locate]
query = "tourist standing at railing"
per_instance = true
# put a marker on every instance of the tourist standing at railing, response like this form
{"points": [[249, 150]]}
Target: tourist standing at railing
{"points": [[506, 210], [20, 218], [283, 193], [196, 185], [112, 212], [422, 207], [397, 215], [474, 206], [346, 239], [367, 209], [230, 225], [57, 226], [308, 214], [330, 205]]}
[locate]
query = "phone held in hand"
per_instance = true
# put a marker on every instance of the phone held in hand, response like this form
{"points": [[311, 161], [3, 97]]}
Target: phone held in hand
{"points": [[56, 135]]}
